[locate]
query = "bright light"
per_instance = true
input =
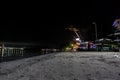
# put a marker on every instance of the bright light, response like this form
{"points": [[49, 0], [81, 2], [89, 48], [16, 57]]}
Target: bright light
{"points": [[71, 45], [77, 39]]}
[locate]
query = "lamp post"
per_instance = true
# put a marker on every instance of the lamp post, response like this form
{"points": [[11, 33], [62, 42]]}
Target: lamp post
{"points": [[95, 29]]}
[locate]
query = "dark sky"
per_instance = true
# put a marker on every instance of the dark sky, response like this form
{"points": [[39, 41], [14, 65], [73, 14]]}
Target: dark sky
{"points": [[48, 25]]}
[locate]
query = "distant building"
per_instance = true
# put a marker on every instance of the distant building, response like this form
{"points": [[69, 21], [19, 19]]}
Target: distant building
{"points": [[104, 44], [8, 49], [19, 49]]}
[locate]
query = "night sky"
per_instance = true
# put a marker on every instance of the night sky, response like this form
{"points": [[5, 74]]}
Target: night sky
{"points": [[50, 26]]}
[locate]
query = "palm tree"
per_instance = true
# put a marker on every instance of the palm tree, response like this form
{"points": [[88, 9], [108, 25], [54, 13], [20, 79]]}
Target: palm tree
{"points": [[77, 44]]}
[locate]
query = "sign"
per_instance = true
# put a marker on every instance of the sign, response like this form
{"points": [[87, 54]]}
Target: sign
{"points": [[116, 24]]}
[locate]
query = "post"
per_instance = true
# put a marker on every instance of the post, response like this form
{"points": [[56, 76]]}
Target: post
{"points": [[95, 29], [2, 52]]}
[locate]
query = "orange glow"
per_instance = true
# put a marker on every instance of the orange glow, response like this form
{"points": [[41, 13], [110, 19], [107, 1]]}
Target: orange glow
{"points": [[75, 47], [77, 43]]}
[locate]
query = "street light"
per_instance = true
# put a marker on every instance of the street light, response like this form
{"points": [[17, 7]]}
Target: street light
{"points": [[78, 39], [95, 29]]}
